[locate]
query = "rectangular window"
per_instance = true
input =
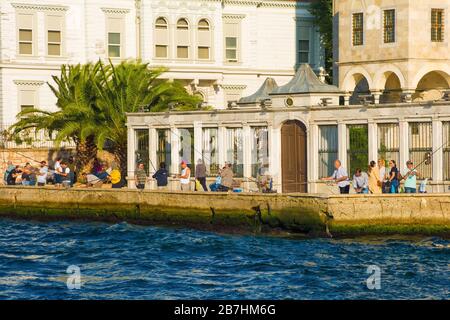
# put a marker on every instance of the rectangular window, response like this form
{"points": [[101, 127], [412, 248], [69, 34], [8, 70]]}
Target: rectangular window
{"points": [[446, 150], [328, 149], [358, 29], [27, 99], [389, 26], [210, 152], [437, 25], [25, 33], [163, 149], [260, 151], [231, 34], [231, 49], [203, 53], [234, 150], [187, 147], [142, 148], [54, 35], [389, 141], [114, 45], [161, 51], [115, 36], [421, 147], [303, 53], [182, 52], [357, 147]]}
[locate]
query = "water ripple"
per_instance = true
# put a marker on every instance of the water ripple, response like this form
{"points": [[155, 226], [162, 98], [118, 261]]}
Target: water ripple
{"points": [[123, 261]]}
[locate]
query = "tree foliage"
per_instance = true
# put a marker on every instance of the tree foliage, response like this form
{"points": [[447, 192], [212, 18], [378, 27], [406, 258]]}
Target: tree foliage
{"points": [[93, 100], [322, 11]]}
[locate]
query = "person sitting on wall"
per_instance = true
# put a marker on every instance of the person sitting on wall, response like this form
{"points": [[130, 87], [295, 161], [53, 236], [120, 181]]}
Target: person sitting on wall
{"points": [[42, 174], [361, 182], [161, 176], [226, 178], [340, 176], [214, 187], [10, 167], [13, 175], [115, 176]]}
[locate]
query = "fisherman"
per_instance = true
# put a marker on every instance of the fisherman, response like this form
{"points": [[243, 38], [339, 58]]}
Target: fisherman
{"points": [[140, 176], [410, 177], [340, 176], [185, 177], [161, 176]]}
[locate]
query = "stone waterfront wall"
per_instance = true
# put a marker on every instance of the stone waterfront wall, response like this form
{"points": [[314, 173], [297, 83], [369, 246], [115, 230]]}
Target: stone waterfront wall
{"points": [[307, 214]]}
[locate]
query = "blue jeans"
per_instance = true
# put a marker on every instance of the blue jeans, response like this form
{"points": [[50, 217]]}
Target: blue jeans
{"points": [[410, 190], [394, 186], [364, 191]]}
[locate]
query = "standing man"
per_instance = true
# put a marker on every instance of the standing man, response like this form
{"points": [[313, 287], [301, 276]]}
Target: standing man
{"points": [[161, 176], [410, 177], [185, 177], [361, 182], [200, 175], [140, 176], [340, 176]]}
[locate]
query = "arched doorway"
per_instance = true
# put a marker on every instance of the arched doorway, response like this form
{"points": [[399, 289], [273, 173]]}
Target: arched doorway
{"points": [[294, 157], [392, 92], [431, 85]]}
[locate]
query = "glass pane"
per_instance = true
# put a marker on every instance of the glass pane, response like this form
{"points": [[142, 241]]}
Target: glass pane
{"points": [[358, 148], [182, 52], [187, 147], [54, 49], [231, 54], [328, 149], [260, 151], [303, 45], [114, 51], [142, 148], [182, 24], [231, 43], [164, 149], [203, 52], [303, 57], [25, 48], [210, 150], [25, 35], [113, 38], [54, 36], [203, 25], [234, 150], [161, 52]]}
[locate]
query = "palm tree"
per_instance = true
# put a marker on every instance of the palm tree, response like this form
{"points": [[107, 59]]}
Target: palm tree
{"points": [[76, 101], [129, 87], [93, 100]]}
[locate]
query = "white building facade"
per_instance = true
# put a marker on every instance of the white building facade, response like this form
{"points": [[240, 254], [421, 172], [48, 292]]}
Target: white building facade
{"points": [[220, 49]]}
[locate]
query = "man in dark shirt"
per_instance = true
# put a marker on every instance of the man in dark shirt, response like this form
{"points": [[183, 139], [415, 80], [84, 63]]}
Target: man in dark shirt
{"points": [[12, 176], [161, 176]]}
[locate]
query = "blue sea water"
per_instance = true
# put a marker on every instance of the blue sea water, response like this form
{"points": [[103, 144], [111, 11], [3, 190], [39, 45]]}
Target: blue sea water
{"points": [[124, 261]]}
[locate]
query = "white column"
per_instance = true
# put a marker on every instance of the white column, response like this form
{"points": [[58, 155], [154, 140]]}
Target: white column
{"points": [[131, 155], [376, 96], [153, 142], [247, 149], [198, 141], [438, 156], [175, 150], [275, 157], [404, 143], [313, 157], [347, 98], [373, 141], [342, 144], [221, 154]]}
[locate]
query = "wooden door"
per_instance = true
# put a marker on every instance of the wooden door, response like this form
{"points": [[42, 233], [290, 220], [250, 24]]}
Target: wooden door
{"points": [[293, 157]]}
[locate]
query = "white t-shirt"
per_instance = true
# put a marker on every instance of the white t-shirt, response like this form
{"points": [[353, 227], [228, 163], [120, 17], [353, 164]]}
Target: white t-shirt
{"points": [[382, 173], [42, 177], [58, 168], [339, 173]]}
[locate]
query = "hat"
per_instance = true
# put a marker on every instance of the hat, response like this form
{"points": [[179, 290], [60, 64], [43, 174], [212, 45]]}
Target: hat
{"points": [[183, 162]]}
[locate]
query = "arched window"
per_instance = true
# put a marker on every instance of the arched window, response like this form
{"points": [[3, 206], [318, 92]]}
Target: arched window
{"points": [[204, 40], [183, 39], [161, 38]]}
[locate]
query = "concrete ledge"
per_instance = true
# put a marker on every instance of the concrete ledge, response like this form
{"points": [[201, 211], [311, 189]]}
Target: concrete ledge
{"points": [[314, 215]]}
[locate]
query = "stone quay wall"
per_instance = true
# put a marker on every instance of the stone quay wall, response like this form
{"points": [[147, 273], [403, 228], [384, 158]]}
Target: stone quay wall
{"points": [[306, 214]]}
